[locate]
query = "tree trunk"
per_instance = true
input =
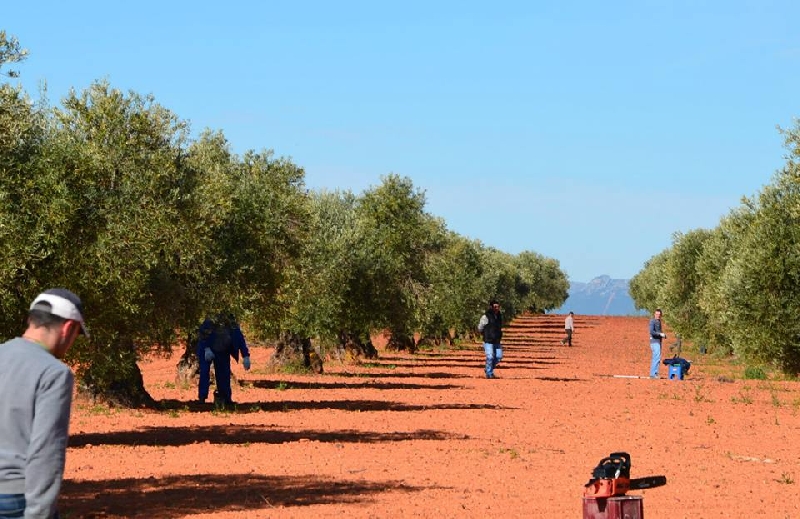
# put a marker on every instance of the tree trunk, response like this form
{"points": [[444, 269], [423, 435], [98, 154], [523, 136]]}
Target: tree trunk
{"points": [[188, 366], [400, 342], [293, 350], [352, 349], [114, 377], [434, 340], [120, 391]]}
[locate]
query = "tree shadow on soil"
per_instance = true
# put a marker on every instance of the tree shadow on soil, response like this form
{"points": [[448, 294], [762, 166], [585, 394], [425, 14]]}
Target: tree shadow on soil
{"points": [[468, 363], [434, 355], [183, 495], [559, 379], [241, 435], [300, 405], [284, 384], [401, 375], [475, 363], [531, 343]]}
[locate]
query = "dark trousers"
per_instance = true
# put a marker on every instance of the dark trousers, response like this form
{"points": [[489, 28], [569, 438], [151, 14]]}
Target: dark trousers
{"points": [[222, 372], [568, 339]]}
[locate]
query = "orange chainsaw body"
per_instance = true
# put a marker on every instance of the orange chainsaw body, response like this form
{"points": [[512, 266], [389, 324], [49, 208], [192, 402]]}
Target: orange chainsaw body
{"points": [[607, 487]]}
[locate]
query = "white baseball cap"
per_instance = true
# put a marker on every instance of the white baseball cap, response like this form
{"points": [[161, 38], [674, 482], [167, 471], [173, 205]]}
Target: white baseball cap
{"points": [[62, 303]]}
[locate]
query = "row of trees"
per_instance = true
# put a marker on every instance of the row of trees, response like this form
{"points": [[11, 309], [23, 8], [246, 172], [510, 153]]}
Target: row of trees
{"points": [[734, 288], [108, 194]]}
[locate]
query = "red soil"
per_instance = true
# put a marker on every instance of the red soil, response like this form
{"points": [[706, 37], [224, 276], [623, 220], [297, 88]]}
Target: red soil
{"points": [[426, 435]]}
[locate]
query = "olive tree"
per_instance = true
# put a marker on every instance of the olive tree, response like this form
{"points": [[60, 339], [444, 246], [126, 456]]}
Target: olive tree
{"points": [[718, 250], [682, 284], [10, 52], [150, 231], [394, 242], [455, 298], [543, 285], [30, 219], [501, 280], [647, 285], [317, 299], [760, 282]]}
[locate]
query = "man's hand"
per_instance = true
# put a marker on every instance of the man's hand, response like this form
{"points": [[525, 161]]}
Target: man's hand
{"points": [[246, 363], [208, 354]]}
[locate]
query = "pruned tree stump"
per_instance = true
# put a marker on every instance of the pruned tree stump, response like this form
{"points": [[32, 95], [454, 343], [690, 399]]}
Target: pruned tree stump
{"points": [[293, 350]]}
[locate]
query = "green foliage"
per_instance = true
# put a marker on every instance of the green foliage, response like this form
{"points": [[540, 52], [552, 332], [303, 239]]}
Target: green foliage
{"points": [[735, 287], [682, 284], [500, 281], [394, 243], [754, 373], [646, 286], [10, 52], [105, 197], [761, 281], [29, 221], [314, 301], [454, 297], [711, 266], [108, 196], [542, 284]]}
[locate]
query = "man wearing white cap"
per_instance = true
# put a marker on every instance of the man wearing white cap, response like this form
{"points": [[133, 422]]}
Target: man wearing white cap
{"points": [[35, 399]]}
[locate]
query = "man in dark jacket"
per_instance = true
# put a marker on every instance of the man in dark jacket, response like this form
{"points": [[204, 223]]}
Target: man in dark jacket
{"points": [[656, 336], [219, 340], [490, 326]]}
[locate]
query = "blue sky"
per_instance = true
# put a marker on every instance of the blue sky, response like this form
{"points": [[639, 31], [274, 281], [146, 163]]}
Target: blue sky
{"points": [[587, 131]]}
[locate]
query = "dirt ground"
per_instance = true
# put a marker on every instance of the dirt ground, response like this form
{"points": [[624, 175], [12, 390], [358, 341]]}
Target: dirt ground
{"points": [[426, 435]]}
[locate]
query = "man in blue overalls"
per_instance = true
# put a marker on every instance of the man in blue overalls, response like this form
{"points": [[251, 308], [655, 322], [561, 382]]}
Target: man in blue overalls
{"points": [[218, 340]]}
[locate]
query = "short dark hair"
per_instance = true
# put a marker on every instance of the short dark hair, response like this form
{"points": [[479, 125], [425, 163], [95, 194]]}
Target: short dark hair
{"points": [[493, 302], [42, 318], [61, 303]]}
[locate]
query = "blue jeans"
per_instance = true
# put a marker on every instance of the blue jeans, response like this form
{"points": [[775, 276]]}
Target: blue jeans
{"points": [[12, 506], [494, 354], [655, 360]]}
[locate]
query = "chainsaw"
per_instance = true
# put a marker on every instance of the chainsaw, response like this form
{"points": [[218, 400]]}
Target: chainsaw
{"points": [[612, 477]]}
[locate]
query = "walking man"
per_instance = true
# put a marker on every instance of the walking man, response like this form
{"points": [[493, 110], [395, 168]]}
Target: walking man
{"points": [[656, 336], [569, 327], [490, 325], [35, 399], [219, 340]]}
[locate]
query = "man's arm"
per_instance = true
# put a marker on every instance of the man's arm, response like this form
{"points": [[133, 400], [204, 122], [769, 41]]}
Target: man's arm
{"points": [[238, 341], [483, 322], [47, 450], [655, 333]]}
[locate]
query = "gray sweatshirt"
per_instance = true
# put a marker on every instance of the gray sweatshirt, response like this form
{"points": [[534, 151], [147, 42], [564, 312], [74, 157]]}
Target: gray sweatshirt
{"points": [[35, 401]]}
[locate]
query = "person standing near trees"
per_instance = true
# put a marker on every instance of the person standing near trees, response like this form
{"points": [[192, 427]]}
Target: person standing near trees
{"points": [[569, 327], [35, 401], [490, 325], [656, 336], [218, 340]]}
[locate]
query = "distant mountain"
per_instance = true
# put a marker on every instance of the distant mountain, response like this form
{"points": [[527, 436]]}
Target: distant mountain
{"points": [[600, 296]]}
